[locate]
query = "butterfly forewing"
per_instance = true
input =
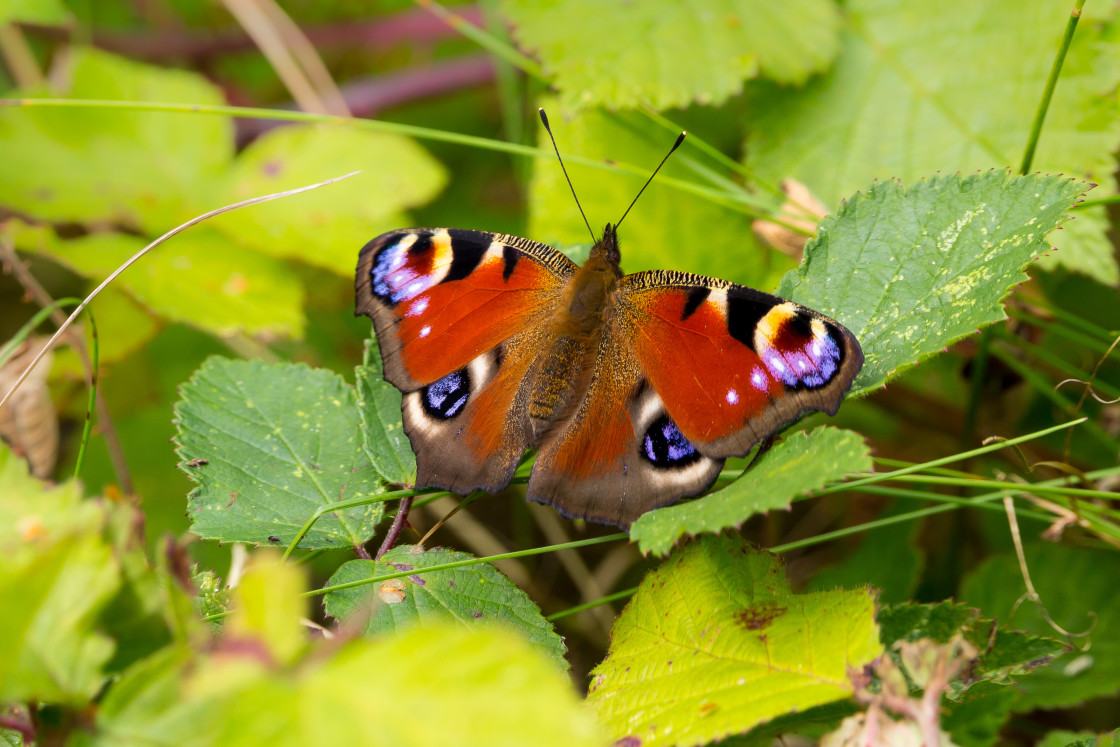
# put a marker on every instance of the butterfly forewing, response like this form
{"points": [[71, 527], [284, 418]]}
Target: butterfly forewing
{"points": [[459, 316], [733, 364]]}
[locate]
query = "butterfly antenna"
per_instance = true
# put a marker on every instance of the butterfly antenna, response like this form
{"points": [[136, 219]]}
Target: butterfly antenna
{"points": [[544, 120], [680, 139]]}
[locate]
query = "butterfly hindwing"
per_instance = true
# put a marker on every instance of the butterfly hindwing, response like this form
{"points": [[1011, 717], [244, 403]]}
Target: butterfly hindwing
{"points": [[439, 298]]}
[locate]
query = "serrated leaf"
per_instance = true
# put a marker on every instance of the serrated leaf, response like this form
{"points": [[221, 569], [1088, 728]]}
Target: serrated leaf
{"points": [[379, 406], [911, 93], [470, 596], [325, 227], [714, 643], [668, 55], [213, 597], [796, 465], [667, 229], [1003, 654], [268, 445], [1077, 585], [197, 278], [910, 271], [57, 575], [145, 169]]}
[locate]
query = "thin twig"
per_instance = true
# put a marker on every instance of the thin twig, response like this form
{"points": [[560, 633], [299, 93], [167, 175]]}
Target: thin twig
{"points": [[135, 257], [395, 530]]}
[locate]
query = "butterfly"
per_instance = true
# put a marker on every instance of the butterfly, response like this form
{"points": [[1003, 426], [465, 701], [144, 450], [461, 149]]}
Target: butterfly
{"points": [[634, 389]]}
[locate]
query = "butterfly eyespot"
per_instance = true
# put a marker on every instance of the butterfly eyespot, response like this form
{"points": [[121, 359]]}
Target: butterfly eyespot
{"points": [[445, 398], [665, 446]]}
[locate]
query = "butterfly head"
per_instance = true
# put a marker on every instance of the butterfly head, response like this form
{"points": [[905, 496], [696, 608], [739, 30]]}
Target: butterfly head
{"points": [[606, 248]]}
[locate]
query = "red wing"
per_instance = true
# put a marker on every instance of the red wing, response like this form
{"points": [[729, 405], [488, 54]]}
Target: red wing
{"points": [[439, 298], [733, 364]]}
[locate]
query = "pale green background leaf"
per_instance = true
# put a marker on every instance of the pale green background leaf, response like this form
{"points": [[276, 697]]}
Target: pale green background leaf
{"points": [[910, 271], [667, 229], [34, 11], [379, 405], [1074, 677], [470, 596], [280, 441], [198, 278], [668, 54], [802, 462], [150, 170], [325, 227], [57, 575], [951, 85], [714, 643]]}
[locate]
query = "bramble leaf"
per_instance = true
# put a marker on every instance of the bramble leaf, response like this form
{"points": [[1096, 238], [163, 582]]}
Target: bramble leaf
{"points": [[714, 643], [470, 596], [796, 465], [911, 93], [669, 55], [268, 445], [379, 405], [911, 270]]}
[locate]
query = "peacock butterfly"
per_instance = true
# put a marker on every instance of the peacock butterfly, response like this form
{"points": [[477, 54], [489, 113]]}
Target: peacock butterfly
{"points": [[634, 388]]}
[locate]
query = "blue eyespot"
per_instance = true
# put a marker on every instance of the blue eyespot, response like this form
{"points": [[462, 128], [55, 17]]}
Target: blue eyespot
{"points": [[665, 446], [445, 398]]}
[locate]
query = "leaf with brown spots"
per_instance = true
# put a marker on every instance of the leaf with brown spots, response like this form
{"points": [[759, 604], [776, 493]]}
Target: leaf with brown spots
{"points": [[714, 643]]}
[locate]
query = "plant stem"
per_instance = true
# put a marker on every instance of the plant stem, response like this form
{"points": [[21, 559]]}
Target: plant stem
{"points": [[1051, 83]]}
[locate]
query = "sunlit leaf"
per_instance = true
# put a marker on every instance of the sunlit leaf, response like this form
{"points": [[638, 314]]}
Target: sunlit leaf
{"points": [[714, 643], [796, 465], [623, 56], [472, 595], [911, 270], [268, 445]]}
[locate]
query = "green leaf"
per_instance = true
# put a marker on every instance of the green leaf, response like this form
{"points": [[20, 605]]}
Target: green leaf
{"points": [[326, 227], [804, 461], [1076, 585], [714, 643], [624, 56], [123, 328], [360, 692], [379, 405], [1003, 654], [910, 271], [267, 607], [149, 170], [911, 93], [667, 229], [58, 573], [977, 718], [268, 445], [213, 597], [197, 278], [470, 596], [46, 12]]}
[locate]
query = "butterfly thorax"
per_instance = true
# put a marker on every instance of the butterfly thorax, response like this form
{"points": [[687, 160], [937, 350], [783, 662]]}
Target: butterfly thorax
{"points": [[566, 367]]}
